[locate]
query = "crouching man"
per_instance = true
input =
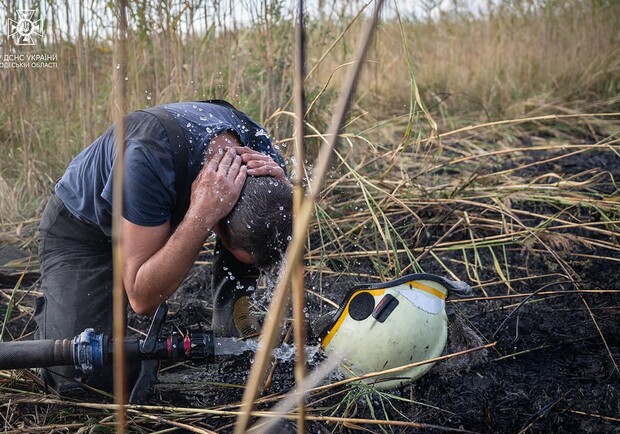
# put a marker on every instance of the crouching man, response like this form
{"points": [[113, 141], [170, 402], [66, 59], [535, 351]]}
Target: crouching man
{"points": [[191, 169]]}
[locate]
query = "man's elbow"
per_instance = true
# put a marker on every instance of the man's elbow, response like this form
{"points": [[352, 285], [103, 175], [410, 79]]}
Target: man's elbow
{"points": [[141, 300], [140, 305], [143, 309]]}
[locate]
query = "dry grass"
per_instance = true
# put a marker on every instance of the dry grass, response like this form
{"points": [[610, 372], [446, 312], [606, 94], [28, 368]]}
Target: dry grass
{"points": [[510, 62]]}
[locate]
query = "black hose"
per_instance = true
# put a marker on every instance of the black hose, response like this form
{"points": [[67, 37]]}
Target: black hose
{"points": [[95, 351], [36, 354]]}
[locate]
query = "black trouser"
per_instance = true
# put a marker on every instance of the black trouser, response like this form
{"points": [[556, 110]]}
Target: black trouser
{"points": [[76, 281]]}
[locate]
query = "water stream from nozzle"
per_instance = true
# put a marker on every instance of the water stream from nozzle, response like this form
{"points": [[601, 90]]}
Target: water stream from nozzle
{"points": [[230, 346], [236, 347]]}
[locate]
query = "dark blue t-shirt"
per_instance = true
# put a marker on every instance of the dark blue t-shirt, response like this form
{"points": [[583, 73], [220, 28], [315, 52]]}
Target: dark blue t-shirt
{"points": [[148, 185]]}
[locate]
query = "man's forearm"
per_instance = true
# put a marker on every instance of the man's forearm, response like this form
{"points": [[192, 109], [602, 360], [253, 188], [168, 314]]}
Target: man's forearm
{"points": [[161, 274]]}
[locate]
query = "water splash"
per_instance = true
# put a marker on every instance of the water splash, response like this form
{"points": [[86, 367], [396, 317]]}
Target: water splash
{"points": [[284, 353]]}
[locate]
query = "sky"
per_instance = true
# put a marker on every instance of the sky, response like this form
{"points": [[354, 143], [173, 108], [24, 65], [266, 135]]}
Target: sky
{"points": [[240, 12]]}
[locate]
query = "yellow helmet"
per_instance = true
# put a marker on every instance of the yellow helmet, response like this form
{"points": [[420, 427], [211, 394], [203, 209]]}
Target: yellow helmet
{"points": [[387, 325]]}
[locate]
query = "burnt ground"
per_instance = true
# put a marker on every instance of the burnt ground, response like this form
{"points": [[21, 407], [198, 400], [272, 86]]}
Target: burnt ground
{"points": [[550, 370], [553, 368]]}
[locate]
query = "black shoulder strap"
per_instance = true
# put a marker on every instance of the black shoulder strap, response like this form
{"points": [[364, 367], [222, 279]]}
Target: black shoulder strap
{"points": [[179, 151]]}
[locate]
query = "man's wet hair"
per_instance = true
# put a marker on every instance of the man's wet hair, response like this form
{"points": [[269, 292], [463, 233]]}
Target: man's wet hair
{"points": [[261, 222]]}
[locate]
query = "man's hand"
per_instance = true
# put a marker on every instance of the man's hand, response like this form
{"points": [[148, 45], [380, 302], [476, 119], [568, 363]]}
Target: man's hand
{"points": [[217, 188], [260, 164]]}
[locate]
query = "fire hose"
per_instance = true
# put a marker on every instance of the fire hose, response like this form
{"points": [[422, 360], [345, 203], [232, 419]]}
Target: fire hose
{"points": [[89, 351]]}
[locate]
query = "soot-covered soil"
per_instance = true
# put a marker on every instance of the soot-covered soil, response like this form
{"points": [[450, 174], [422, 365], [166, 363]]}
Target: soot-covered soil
{"points": [[552, 313], [550, 306], [552, 368]]}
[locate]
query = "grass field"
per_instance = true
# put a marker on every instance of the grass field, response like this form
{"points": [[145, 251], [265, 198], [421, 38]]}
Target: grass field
{"points": [[479, 146]]}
